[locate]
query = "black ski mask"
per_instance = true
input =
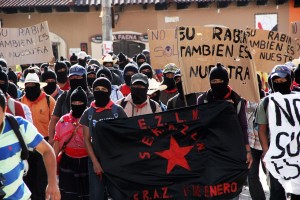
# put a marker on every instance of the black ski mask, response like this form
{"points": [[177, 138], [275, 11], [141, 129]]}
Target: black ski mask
{"points": [[219, 90], [75, 83], [102, 98], [50, 88], [62, 76], [32, 93], [283, 88], [139, 95], [169, 82], [78, 95], [77, 110], [90, 81], [4, 86]]}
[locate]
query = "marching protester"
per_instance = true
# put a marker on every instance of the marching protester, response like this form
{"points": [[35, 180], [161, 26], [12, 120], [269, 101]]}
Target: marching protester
{"points": [[70, 149], [41, 106], [13, 78], [140, 59], [154, 92], [129, 70], [116, 94], [61, 71], [12, 166], [82, 59], [123, 61], [108, 62], [102, 108], [137, 102], [181, 100], [77, 77], [220, 90], [255, 186], [146, 69], [280, 81], [52, 89], [168, 79], [73, 59], [14, 107], [12, 90], [91, 74]]}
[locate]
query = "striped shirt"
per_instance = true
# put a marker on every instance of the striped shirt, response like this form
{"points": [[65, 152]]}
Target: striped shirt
{"points": [[11, 165]]}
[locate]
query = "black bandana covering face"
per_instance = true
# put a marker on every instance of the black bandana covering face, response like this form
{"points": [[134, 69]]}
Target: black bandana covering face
{"points": [[32, 93]]}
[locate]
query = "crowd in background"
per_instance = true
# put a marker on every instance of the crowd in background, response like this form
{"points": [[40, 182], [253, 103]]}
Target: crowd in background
{"points": [[63, 101]]}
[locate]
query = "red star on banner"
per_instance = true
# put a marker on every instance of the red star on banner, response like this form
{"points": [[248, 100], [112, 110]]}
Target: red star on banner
{"points": [[175, 155]]}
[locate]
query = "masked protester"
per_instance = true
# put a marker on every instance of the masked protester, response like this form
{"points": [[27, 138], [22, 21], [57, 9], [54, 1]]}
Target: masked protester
{"points": [[41, 106], [101, 109], [140, 59], [73, 59], [146, 69], [129, 70], [61, 71], [221, 91], [116, 94], [70, 150], [146, 52], [109, 62], [78, 78], [123, 61], [91, 74], [154, 92], [138, 102], [49, 77], [281, 81], [181, 100], [82, 59], [168, 75]]}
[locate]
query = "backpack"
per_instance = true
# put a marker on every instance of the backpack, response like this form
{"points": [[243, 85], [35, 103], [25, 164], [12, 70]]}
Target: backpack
{"points": [[15, 108], [152, 104], [91, 112], [15, 126]]}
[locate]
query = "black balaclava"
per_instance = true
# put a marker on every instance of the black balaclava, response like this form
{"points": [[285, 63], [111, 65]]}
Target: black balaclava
{"points": [[140, 56], [219, 90], [49, 74], [105, 72], [78, 95], [75, 83], [147, 54], [12, 76], [73, 59], [283, 88], [297, 74], [179, 84], [82, 62], [129, 67], [102, 98], [3, 77], [91, 69], [146, 66], [123, 61], [12, 90], [169, 82], [32, 93], [62, 77], [139, 95]]}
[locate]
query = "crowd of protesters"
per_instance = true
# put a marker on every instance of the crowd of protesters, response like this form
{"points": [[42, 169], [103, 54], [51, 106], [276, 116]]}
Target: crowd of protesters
{"points": [[64, 100]]}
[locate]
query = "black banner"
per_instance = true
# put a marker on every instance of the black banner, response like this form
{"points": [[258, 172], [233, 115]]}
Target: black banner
{"points": [[191, 153]]}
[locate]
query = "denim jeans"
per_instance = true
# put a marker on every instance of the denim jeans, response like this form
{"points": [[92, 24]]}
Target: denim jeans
{"points": [[276, 191], [255, 186]]}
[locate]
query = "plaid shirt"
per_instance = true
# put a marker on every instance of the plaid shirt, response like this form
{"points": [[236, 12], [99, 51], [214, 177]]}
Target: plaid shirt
{"points": [[252, 128]]}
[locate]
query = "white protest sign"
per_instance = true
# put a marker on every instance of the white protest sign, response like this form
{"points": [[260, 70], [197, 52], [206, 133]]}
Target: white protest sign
{"points": [[270, 48], [295, 33], [107, 47], [163, 47], [26, 45], [201, 48], [283, 157]]}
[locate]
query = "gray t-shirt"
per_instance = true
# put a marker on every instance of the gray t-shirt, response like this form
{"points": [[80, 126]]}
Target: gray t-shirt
{"points": [[262, 112]]}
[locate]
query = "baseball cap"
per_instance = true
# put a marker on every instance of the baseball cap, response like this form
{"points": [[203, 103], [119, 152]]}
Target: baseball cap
{"points": [[139, 77], [77, 70], [280, 70], [81, 55], [170, 68]]}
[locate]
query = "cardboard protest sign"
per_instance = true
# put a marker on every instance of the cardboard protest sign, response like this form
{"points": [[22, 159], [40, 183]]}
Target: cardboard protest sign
{"points": [[163, 47], [26, 45], [282, 158], [270, 48], [200, 48]]}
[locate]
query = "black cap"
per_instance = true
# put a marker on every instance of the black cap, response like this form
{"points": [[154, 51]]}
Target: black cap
{"points": [[92, 69], [12, 76], [79, 95], [131, 67], [219, 72], [48, 74], [105, 72], [104, 82], [60, 65]]}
